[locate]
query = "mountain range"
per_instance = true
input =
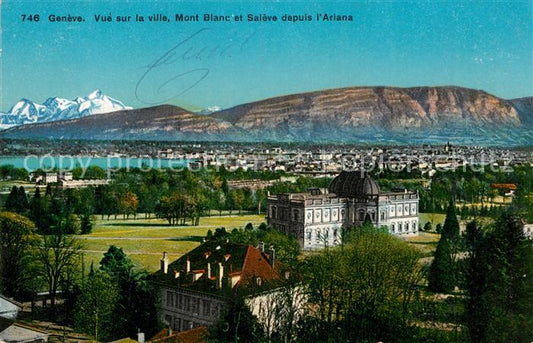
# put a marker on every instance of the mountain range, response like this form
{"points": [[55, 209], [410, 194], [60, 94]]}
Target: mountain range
{"points": [[385, 115], [53, 109]]}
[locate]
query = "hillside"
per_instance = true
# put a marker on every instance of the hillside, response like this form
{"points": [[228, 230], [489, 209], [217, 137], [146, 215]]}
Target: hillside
{"points": [[355, 114]]}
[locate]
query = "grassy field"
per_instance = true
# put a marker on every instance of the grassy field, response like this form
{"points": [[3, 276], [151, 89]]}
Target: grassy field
{"points": [[144, 240], [426, 242], [434, 218]]}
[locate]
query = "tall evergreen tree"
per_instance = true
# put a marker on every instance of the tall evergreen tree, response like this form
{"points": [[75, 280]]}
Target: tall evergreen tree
{"points": [[441, 274], [38, 211], [11, 200], [476, 271], [451, 225], [17, 201], [22, 199]]}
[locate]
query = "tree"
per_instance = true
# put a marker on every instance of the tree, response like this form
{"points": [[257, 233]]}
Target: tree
{"points": [[86, 223], [364, 287], [22, 200], [39, 211], [441, 272], [128, 203], [58, 255], [499, 283], [115, 262], [451, 225], [427, 226], [11, 203], [17, 240], [475, 274], [135, 307], [17, 201], [94, 308]]}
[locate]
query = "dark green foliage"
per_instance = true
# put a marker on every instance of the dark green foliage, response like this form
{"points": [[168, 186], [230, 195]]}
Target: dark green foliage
{"points": [[451, 225], [39, 211], [9, 172], [438, 229], [441, 272], [86, 223], [428, 226], [499, 283], [115, 262], [17, 201], [238, 324], [136, 304]]}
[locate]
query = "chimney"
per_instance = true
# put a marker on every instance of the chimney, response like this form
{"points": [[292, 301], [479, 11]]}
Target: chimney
{"points": [[220, 274], [261, 246], [140, 337], [272, 255], [208, 270], [188, 270], [176, 274], [164, 263]]}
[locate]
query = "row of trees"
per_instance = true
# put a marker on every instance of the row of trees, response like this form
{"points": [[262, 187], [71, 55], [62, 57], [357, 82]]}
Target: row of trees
{"points": [[201, 192], [472, 187], [67, 208]]}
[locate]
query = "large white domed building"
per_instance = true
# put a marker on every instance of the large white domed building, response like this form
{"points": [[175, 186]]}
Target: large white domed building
{"points": [[317, 218]]}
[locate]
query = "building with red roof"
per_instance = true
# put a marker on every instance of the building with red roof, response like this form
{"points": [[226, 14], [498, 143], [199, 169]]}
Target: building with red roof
{"points": [[196, 287]]}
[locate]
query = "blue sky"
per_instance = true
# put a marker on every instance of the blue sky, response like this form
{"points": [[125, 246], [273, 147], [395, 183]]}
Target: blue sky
{"points": [[477, 44]]}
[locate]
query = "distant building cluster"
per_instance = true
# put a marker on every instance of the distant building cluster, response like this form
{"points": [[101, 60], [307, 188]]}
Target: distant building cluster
{"points": [[64, 179], [318, 218]]}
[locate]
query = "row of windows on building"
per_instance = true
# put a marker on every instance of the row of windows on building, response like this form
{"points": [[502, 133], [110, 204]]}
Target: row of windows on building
{"points": [[297, 214], [400, 210], [194, 305], [403, 227], [322, 234], [181, 324]]}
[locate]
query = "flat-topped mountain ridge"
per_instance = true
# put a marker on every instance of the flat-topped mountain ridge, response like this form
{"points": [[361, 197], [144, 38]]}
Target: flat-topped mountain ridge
{"points": [[353, 114]]}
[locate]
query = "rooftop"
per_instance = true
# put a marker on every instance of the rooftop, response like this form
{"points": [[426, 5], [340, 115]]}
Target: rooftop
{"points": [[352, 184], [221, 268]]}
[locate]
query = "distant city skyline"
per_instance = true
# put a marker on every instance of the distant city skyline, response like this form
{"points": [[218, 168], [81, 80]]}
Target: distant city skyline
{"points": [[483, 45]]}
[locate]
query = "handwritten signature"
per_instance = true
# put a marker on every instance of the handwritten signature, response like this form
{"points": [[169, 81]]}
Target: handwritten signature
{"points": [[183, 67]]}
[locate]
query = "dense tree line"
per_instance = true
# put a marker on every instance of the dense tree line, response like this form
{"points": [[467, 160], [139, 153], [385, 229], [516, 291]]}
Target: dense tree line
{"points": [[498, 280]]}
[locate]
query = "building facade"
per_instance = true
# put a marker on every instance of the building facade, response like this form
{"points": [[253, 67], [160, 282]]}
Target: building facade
{"points": [[197, 287], [317, 218]]}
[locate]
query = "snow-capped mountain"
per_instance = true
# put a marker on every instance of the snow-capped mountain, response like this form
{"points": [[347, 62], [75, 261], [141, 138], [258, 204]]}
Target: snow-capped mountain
{"points": [[28, 112], [209, 110]]}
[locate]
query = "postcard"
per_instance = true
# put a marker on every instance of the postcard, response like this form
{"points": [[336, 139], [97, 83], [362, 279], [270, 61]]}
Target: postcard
{"points": [[265, 170]]}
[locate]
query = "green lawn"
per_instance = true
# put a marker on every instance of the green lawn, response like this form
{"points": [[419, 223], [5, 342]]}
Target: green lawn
{"points": [[434, 218], [144, 240], [426, 242]]}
